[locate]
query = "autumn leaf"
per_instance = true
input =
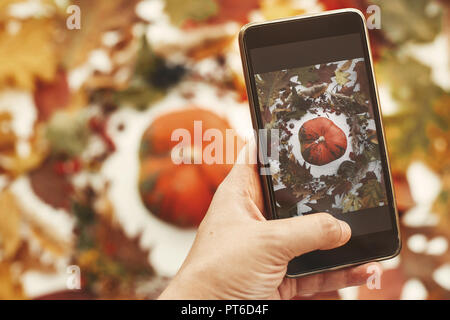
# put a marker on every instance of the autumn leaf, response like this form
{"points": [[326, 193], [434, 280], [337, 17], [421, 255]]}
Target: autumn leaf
{"points": [[339, 4], [415, 93], [360, 68], [195, 10], [50, 186], [272, 85], [351, 203], [307, 76], [28, 54], [9, 8], [68, 132], [234, 10], [110, 261], [326, 72], [10, 216], [275, 9], [442, 202], [372, 193], [11, 287], [403, 196], [346, 65], [15, 164], [324, 204], [342, 77], [7, 135], [342, 188], [315, 91], [97, 17], [151, 78], [438, 132], [405, 20], [51, 96]]}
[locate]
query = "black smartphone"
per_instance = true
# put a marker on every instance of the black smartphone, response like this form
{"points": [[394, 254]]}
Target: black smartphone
{"points": [[313, 94]]}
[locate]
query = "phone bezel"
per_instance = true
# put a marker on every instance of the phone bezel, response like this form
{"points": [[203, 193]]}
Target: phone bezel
{"points": [[343, 21]]}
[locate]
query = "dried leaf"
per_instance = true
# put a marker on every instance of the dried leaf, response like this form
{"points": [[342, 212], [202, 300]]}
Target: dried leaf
{"points": [[97, 18], [28, 54], [351, 203], [342, 77], [234, 10], [68, 132], [51, 96], [275, 9], [415, 94], [50, 186], [372, 193], [194, 10], [7, 135], [10, 286], [111, 263], [307, 76], [16, 164], [405, 20], [10, 216]]}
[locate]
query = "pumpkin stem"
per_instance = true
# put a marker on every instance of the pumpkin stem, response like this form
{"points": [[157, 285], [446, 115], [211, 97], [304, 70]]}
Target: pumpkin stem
{"points": [[321, 139]]}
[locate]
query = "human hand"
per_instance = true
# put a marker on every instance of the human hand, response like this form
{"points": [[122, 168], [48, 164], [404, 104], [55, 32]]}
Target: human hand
{"points": [[238, 254]]}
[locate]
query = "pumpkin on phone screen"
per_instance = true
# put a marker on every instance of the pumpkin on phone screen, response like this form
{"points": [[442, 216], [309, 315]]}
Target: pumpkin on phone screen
{"points": [[321, 141], [181, 193]]}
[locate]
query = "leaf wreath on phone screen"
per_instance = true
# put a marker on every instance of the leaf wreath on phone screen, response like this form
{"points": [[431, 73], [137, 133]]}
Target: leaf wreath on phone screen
{"points": [[314, 96]]}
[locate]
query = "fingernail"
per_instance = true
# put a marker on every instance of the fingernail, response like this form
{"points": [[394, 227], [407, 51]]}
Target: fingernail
{"points": [[346, 232]]}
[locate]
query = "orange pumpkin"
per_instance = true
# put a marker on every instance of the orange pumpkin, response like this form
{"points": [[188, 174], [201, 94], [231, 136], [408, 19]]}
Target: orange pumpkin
{"points": [[181, 193], [321, 141]]}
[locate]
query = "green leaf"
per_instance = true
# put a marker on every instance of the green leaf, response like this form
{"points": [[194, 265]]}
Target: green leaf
{"points": [[415, 93], [406, 20], [342, 77], [351, 203], [68, 133], [371, 193], [197, 10], [308, 75], [151, 79]]}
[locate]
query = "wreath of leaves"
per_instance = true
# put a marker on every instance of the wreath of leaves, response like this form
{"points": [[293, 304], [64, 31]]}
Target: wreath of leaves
{"points": [[354, 187]]}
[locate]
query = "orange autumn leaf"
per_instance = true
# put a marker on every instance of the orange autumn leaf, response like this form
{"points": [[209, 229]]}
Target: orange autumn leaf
{"points": [[27, 54], [10, 216], [51, 96]]}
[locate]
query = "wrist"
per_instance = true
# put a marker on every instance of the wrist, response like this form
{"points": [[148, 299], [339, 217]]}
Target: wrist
{"points": [[189, 284]]}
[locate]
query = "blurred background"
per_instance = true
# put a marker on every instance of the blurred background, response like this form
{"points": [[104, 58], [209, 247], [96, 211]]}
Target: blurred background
{"points": [[87, 186]]}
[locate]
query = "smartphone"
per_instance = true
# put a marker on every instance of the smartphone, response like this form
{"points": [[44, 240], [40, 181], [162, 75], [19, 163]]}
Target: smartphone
{"points": [[312, 91]]}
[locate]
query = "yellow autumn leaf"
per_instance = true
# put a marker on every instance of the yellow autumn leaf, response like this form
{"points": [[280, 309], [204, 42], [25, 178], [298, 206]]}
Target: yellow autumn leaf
{"points": [[10, 8], [274, 9], [10, 216], [16, 164], [346, 65], [7, 135], [438, 133], [10, 286], [342, 77], [27, 54], [5, 7], [441, 204]]}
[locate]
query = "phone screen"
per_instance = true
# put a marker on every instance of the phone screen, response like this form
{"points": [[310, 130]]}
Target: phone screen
{"points": [[319, 95], [329, 158]]}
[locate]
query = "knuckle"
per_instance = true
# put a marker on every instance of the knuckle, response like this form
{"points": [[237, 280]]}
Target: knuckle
{"points": [[273, 235], [272, 232], [329, 227]]}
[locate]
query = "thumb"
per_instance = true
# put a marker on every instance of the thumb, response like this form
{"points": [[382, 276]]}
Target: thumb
{"points": [[319, 231], [244, 176]]}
